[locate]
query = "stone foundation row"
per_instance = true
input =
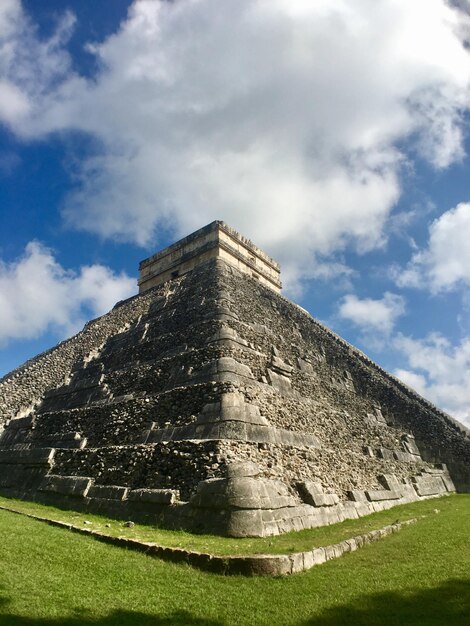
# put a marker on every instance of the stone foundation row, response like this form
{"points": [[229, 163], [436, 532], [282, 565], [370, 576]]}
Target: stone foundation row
{"points": [[255, 565], [242, 504]]}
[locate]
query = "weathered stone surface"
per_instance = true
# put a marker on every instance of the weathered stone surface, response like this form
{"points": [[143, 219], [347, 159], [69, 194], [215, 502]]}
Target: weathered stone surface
{"points": [[29, 456], [390, 481], [107, 492], [156, 496], [312, 493], [279, 381], [382, 494], [243, 469], [448, 482], [66, 485], [306, 488], [429, 485], [171, 388], [324, 499], [245, 523], [305, 367], [357, 496], [21, 422]]}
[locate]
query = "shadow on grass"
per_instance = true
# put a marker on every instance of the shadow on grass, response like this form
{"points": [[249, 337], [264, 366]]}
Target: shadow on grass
{"points": [[116, 618], [446, 605]]}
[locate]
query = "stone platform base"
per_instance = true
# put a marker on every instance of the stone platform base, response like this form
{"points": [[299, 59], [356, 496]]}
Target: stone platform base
{"points": [[243, 504], [255, 565]]}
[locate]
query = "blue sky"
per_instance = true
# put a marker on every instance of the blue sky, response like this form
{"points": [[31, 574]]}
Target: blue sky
{"points": [[335, 135]]}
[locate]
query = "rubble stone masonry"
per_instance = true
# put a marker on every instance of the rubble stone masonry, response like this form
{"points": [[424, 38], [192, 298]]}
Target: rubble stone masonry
{"points": [[213, 403]]}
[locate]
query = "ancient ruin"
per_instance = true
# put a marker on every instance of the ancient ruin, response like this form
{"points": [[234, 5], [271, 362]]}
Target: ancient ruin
{"points": [[211, 402]]}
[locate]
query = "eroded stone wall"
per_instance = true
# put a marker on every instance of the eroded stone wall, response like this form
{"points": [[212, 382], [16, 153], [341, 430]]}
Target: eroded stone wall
{"points": [[174, 387], [23, 389]]}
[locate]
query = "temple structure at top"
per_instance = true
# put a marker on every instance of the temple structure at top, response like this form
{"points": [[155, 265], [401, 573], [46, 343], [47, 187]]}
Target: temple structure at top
{"points": [[216, 240]]}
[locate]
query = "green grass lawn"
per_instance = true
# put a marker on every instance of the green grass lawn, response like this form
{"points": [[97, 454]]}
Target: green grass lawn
{"points": [[290, 542], [421, 575]]}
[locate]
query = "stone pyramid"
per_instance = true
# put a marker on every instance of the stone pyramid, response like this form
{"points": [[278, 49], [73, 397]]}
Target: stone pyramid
{"points": [[210, 402]]}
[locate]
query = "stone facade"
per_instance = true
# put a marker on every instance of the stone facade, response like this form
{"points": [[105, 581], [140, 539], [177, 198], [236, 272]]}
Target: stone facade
{"points": [[214, 241], [213, 403]]}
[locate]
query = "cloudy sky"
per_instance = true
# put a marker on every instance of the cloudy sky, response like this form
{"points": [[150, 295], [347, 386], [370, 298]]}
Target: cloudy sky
{"points": [[334, 134]]}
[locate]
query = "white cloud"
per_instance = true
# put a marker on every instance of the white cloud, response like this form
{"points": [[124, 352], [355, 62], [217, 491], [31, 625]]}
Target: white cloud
{"points": [[38, 294], [445, 263], [31, 70], [280, 116], [439, 371], [413, 380], [13, 104], [372, 315]]}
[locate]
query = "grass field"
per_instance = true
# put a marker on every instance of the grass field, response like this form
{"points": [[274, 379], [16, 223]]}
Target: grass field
{"points": [[49, 576], [282, 544]]}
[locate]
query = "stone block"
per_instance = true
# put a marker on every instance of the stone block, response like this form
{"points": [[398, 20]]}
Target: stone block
{"points": [[384, 453], [242, 412], [285, 525], [67, 436], [297, 562], [409, 444], [349, 510], [216, 502], [330, 552], [379, 416], [108, 492], [244, 487], [309, 487], [233, 413], [352, 544], [312, 493], [363, 508], [242, 469], [262, 434], [211, 431], [243, 523], [389, 481], [32, 456], [309, 561], [326, 499], [278, 502], [228, 364], [227, 336], [270, 529], [405, 457], [77, 486], [280, 366], [357, 496], [211, 486], [232, 399], [154, 496], [233, 430], [275, 487], [429, 485], [448, 482], [319, 556], [284, 437], [265, 565], [21, 422], [279, 382], [384, 494]]}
